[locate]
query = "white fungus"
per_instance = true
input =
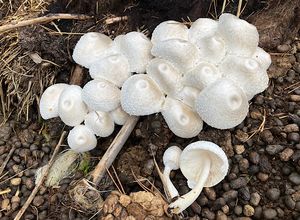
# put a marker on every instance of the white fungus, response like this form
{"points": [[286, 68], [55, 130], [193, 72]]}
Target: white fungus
{"points": [[119, 116], [82, 139], [100, 123], [202, 28]]}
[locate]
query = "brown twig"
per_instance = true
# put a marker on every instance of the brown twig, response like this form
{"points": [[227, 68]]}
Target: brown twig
{"points": [[77, 75], [44, 175], [7, 159], [43, 19], [113, 150]]}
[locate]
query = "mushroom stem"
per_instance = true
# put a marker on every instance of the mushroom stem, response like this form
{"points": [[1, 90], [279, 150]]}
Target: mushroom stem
{"points": [[169, 185], [186, 200]]}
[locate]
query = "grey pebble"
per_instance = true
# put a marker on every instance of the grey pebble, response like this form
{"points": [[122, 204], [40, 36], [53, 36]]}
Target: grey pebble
{"points": [[244, 193], [238, 210], [269, 213], [239, 182], [38, 201], [274, 149], [254, 157], [294, 137], [230, 195], [290, 203], [255, 198], [294, 178], [283, 48], [273, 194]]}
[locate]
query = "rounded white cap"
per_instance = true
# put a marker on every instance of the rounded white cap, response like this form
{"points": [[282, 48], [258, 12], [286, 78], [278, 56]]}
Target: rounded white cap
{"points": [[262, 57], [202, 28], [171, 157], [71, 108], [187, 96], [81, 139], [191, 160], [100, 123], [49, 100], [119, 116], [181, 119], [101, 95], [222, 105], [140, 95]]}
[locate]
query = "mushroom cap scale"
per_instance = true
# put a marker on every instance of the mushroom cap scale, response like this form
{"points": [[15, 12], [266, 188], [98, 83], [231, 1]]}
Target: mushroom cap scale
{"points": [[222, 105], [49, 100], [71, 108], [202, 28], [192, 158], [100, 123], [101, 95], [119, 116], [140, 95], [81, 139]]}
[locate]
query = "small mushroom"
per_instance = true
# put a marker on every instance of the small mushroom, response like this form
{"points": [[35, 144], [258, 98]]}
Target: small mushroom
{"points": [[140, 95], [169, 30], [181, 119], [262, 57], [187, 96], [49, 100], [119, 116], [222, 105], [82, 139], [204, 164], [171, 162], [90, 47], [100, 123], [101, 95], [71, 108], [202, 28]]}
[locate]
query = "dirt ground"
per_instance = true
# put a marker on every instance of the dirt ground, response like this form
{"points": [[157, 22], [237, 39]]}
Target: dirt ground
{"points": [[263, 181]]}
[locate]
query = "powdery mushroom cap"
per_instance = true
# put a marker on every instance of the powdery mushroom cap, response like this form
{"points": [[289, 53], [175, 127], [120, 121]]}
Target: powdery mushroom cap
{"points": [[49, 100], [181, 119], [165, 75], [262, 57], [192, 158], [240, 37], [222, 105], [201, 76], [169, 30], [140, 95], [171, 157], [187, 96], [90, 47], [101, 95], [246, 73], [71, 108], [113, 68], [82, 139], [181, 53], [136, 47], [100, 123], [202, 28], [119, 116]]}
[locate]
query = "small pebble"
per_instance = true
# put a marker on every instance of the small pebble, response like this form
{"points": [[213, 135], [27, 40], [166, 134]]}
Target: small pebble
{"points": [[290, 203], [38, 201], [254, 157], [291, 128], [262, 176], [239, 149], [294, 178], [269, 213], [244, 193], [294, 137], [296, 67], [210, 193], [273, 194], [244, 165], [15, 181], [283, 48], [239, 182], [267, 136], [274, 149], [238, 210], [286, 154], [248, 210], [255, 198]]}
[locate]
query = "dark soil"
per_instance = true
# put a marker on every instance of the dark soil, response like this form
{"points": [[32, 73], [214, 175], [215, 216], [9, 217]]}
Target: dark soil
{"points": [[264, 151]]}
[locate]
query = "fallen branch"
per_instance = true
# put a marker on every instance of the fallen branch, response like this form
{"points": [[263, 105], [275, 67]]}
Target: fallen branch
{"points": [[43, 19], [38, 185]]}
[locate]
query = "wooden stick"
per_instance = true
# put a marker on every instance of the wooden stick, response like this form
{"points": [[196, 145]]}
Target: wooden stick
{"points": [[113, 150], [44, 175], [77, 76], [43, 19]]}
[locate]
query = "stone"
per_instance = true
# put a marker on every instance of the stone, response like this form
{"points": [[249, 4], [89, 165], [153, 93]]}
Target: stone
{"points": [[274, 149], [239, 149], [255, 198], [294, 178], [15, 181], [273, 194], [239, 182], [248, 210], [269, 213], [286, 154]]}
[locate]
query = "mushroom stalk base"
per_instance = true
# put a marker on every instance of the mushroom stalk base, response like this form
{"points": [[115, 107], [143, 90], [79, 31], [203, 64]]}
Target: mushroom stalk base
{"points": [[186, 200], [169, 185]]}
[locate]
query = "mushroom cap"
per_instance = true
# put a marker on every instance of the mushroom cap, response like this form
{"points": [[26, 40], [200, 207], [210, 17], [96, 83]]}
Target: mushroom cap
{"points": [[222, 105], [81, 139], [240, 37], [71, 108], [246, 73], [136, 47], [169, 30], [202, 28], [183, 54], [101, 95], [49, 100], [119, 116], [90, 47], [100, 123], [140, 95], [262, 57], [202, 75], [113, 68], [171, 157], [181, 119], [187, 96], [192, 159], [165, 75]]}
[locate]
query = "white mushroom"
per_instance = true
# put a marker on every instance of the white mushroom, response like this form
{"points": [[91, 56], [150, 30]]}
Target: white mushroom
{"points": [[90, 47], [181, 53], [171, 162], [169, 30], [82, 139], [49, 100], [262, 57], [100, 123], [181, 119], [119, 116], [71, 108], [101, 95], [187, 96], [202, 28], [222, 105], [245, 72], [165, 75], [136, 47], [241, 38], [204, 164], [140, 95], [113, 68]]}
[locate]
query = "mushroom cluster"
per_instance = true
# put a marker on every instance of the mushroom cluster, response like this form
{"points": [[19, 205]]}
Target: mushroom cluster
{"points": [[203, 164], [97, 104], [206, 72]]}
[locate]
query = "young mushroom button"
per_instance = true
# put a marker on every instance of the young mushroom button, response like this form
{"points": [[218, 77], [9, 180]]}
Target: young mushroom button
{"points": [[204, 164]]}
